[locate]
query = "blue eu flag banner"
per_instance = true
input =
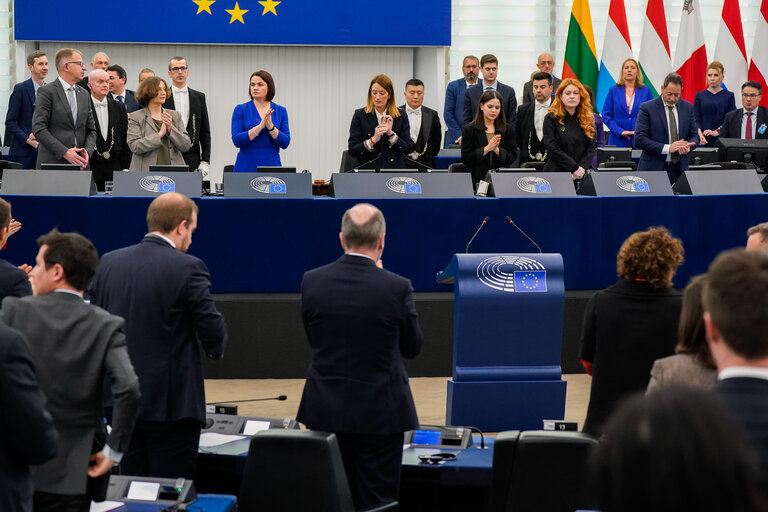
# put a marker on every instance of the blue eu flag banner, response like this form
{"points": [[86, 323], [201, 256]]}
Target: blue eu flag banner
{"points": [[166, 187], [642, 187], [413, 188], [530, 280], [543, 188], [277, 188], [272, 22]]}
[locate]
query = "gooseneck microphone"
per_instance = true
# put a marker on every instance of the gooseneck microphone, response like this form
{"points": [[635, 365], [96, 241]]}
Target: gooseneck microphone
{"points": [[485, 221], [523, 232], [281, 398]]}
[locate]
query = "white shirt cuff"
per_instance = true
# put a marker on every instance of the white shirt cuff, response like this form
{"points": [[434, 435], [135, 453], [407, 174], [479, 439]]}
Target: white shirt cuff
{"points": [[111, 454]]}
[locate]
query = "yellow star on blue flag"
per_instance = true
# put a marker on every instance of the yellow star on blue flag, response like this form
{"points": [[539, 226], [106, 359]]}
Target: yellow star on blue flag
{"points": [[204, 5], [237, 14], [269, 6]]}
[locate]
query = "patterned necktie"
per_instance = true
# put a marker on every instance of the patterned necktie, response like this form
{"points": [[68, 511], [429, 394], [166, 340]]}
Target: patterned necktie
{"points": [[673, 135], [748, 129], [72, 102]]}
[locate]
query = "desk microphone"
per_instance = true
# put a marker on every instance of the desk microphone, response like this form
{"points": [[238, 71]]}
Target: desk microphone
{"points": [[359, 166], [281, 398], [485, 221], [420, 166], [523, 232]]}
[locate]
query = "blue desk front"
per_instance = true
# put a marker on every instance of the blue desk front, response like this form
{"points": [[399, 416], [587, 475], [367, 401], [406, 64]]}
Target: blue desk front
{"points": [[265, 246], [203, 503]]}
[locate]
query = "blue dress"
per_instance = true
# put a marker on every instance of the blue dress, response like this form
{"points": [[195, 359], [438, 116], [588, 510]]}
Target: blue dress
{"points": [[616, 116], [262, 150], [709, 110]]}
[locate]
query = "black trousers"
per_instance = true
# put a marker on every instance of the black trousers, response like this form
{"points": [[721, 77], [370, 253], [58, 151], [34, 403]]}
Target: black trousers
{"points": [[47, 502], [163, 449], [372, 463]]}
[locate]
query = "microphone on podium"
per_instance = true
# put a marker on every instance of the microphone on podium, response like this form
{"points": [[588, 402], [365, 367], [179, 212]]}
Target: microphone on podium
{"points": [[485, 221], [280, 397], [523, 232]]}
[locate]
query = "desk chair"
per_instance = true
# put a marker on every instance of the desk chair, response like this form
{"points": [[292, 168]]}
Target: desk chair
{"points": [[618, 164], [457, 167], [539, 166], [296, 471], [348, 162]]}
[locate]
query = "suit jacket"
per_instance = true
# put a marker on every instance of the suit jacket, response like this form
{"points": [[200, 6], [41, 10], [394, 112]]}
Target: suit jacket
{"points": [[528, 90], [129, 101], [54, 127], [143, 140], [616, 116], [198, 128], [732, 125], [453, 112], [652, 133], [427, 144], [472, 102], [76, 347], [681, 370], [27, 436], [115, 144], [165, 297], [473, 142], [360, 321], [568, 147], [18, 123], [13, 281], [525, 134], [382, 156]]}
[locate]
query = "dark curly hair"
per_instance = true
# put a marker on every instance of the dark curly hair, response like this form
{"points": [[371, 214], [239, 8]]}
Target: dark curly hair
{"points": [[651, 255]]}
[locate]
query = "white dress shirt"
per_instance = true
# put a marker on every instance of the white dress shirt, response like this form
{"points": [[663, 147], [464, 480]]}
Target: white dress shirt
{"points": [[181, 102], [744, 123], [414, 118], [102, 114], [665, 149], [539, 114]]}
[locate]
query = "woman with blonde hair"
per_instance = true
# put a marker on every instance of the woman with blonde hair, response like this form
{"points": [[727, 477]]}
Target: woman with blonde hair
{"points": [[712, 104], [622, 104], [569, 130]]}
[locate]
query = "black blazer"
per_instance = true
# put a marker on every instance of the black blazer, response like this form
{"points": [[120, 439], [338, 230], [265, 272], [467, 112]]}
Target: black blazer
{"points": [[198, 128], [472, 102], [626, 328], [732, 125], [525, 132], [116, 144], [360, 321], [568, 147], [382, 156], [13, 281], [165, 297], [130, 104], [430, 138], [18, 123], [528, 90], [473, 142], [27, 436]]}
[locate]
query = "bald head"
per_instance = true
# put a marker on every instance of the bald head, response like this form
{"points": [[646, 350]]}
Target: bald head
{"points": [[167, 211], [362, 227], [98, 82], [546, 63], [758, 237]]}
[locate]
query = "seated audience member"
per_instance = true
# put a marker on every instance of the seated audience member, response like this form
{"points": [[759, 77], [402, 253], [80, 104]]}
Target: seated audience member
{"points": [[379, 134], [454, 99], [692, 364], [156, 136], [545, 63], [757, 237], [750, 121], [569, 131], [426, 132], [14, 281], [736, 321], [631, 324], [488, 142], [145, 73], [676, 450], [490, 68], [711, 105], [111, 152], [259, 126], [599, 127], [529, 126], [622, 104]]}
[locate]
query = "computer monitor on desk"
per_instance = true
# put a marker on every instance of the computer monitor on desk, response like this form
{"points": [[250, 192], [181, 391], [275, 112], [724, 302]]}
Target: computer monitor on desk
{"points": [[59, 167], [613, 154], [169, 168], [274, 169], [754, 151]]}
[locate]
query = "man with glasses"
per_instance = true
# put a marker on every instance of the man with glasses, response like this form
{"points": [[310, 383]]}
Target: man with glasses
{"points": [[751, 121], [194, 113], [100, 61], [545, 63], [454, 99], [63, 121]]}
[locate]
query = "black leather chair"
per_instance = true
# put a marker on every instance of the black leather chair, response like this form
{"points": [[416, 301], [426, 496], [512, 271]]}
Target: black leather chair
{"points": [[296, 471], [539, 166], [541, 470], [618, 164], [229, 168], [457, 167], [348, 162]]}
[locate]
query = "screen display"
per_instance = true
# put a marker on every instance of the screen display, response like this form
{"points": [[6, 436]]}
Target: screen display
{"points": [[426, 437], [144, 491]]}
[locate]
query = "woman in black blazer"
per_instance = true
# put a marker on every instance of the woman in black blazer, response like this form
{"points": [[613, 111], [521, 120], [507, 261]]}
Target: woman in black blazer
{"points": [[379, 135], [488, 142], [569, 130]]}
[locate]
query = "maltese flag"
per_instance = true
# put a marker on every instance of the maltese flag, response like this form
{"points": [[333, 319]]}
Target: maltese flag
{"points": [[691, 53], [730, 49]]}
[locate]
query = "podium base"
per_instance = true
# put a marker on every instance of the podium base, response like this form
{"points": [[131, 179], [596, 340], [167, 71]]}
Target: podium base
{"points": [[508, 405]]}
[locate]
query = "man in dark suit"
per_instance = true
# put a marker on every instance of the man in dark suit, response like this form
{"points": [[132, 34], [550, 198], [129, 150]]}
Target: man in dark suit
{"points": [[100, 61], [360, 321], [63, 120], [165, 297], [18, 120], [545, 63], [117, 90], [29, 437], [424, 123], [530, 120], [735, 302], [453, 112], [490, 67], [194, 113], [111, 152], [13, 280], [75, 347], [666, 130], [750, 121]]}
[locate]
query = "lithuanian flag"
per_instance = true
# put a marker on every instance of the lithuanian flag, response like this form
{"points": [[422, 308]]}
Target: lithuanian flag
{"points": [[580, 55]]}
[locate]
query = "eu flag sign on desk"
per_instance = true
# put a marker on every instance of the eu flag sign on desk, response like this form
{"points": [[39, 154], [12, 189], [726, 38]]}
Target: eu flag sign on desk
{"points": [[262, 22]]}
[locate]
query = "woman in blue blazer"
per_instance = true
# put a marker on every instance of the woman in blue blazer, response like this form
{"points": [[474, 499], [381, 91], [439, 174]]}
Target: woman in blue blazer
{"points": [[260, 127], [623, 103]]}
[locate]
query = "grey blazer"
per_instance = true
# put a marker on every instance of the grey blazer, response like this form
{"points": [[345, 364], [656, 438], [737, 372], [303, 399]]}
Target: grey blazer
{"points": [[76, 347], [144, 140], [54, 127], [680, 369]]}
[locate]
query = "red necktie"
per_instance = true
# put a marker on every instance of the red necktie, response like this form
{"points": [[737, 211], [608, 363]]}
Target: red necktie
{"points": [[748, 129]]}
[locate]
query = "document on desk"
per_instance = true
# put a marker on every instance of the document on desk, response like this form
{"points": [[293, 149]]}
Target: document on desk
{"points": [[105, 506], [210, 439]]}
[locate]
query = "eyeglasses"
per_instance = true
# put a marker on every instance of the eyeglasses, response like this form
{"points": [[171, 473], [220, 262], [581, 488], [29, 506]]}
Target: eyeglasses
{"points": [[750, 96], [76, 62], [179, 68]]}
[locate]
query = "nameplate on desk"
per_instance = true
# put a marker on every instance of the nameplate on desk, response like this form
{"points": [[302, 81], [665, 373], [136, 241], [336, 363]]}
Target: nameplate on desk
{"points": [[525, 183], [28, 182], [719, 182], [163, 491], [143, 184], [626, 183], [265, 185], [410, 186]]}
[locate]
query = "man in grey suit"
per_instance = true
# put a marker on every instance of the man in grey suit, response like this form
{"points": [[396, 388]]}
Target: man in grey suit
{"points": [[63, 121], [75, 347]]}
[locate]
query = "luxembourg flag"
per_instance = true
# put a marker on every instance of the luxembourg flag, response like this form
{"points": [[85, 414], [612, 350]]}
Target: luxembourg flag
{"points": [[730, 49], [691, 53], [758, 68], [655, 61], [616, 49]]}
